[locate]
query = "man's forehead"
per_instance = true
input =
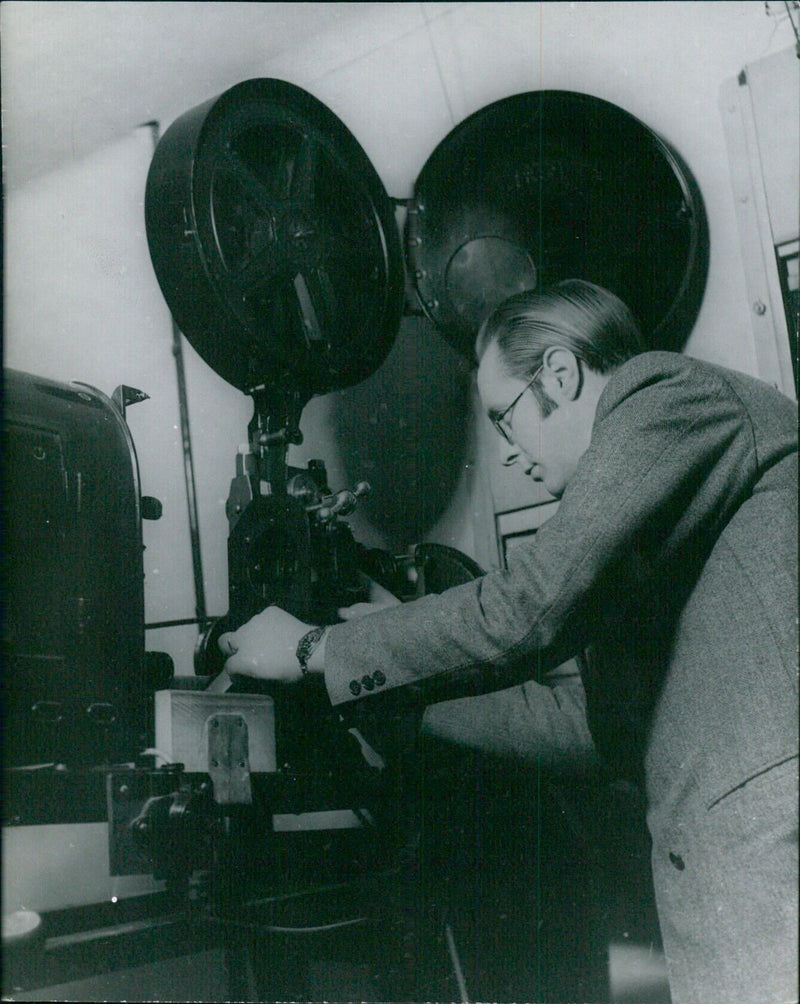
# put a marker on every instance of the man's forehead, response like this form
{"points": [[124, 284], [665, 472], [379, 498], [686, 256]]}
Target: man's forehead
{"points": [[494, 384]]}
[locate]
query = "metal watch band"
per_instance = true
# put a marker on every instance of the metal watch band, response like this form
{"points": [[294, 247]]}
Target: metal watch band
{"points": [[306, 646]]}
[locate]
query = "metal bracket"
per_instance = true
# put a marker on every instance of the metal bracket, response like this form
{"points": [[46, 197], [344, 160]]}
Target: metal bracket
{"points": [[124, 396], [229, 759]]}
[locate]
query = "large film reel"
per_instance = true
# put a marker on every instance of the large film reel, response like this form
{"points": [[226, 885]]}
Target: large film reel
{"points": [[274, 241], [550, 185], [276, 247]]}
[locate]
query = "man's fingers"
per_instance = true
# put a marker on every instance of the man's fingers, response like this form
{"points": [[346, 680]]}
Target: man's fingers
{"points": [[227, 645]]}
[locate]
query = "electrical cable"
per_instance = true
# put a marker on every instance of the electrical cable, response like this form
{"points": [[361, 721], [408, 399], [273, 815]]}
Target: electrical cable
{"points": [[160, 754], [315, 890], [280, 929]]}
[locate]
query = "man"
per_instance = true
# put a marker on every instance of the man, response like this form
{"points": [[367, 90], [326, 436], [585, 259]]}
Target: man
{"points": [[670, 569]]}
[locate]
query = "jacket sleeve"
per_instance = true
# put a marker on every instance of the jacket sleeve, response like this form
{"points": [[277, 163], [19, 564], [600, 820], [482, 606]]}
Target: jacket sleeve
{"points": [[670, 460], [544, 724]]}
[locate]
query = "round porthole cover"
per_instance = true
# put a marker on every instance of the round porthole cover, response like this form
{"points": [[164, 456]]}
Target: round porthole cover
{"points": [[551, 185]]}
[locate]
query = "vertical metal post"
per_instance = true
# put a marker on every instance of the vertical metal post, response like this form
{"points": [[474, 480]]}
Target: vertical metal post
{"points": [[188, 474], [188, 460]]}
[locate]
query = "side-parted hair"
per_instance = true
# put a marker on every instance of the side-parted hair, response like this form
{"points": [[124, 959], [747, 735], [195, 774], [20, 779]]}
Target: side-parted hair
{"points": [[588, 320]]}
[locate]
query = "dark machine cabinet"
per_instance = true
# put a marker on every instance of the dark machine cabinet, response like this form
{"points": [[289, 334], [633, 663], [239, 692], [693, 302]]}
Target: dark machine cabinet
{"points": [[74, 606]]}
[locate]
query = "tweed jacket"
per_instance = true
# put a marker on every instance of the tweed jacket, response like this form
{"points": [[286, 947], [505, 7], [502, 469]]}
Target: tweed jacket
{"points": [[687, 460], [670, 571]]}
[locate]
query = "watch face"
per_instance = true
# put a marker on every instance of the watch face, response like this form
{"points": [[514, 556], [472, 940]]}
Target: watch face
{"points": [[306, 646]]}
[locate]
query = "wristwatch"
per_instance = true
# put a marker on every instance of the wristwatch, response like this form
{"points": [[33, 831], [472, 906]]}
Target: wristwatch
{"points": [[306, 646]]}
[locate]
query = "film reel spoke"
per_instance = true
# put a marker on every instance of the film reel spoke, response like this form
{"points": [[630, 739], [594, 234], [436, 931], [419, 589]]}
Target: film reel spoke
{"points": [[317, 305], [236, 172], [253, 273], [304, 168], [348, 253]]}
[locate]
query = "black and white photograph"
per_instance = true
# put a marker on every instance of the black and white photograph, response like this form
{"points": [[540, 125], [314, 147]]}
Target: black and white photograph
{"points": [[399, 524]]}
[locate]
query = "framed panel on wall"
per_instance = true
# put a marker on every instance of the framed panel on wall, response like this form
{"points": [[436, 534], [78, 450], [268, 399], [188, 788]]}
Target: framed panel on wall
{"points": [[518, 526]]}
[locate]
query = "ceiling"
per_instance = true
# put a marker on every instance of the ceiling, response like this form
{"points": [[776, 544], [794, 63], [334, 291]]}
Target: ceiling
{"points": [[78, 75]]}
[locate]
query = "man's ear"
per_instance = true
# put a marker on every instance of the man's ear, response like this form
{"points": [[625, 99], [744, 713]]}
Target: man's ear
{"points": [[562, 375]]}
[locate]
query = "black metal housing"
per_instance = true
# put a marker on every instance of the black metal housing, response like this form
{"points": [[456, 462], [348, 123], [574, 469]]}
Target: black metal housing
{"points": [[551, 185], [74, 680], [274, 241]]}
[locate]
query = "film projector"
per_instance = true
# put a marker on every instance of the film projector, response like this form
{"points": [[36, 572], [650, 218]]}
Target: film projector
{"points": [[280, 256]]}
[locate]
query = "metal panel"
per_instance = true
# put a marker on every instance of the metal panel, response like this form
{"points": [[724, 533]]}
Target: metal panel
{"points": [[745, 136]]}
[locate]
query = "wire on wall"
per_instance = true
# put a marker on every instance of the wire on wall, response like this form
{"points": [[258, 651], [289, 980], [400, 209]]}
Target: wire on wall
{"points": [[788, 10]]}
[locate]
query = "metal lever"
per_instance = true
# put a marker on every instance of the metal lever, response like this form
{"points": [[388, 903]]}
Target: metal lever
{"points": [[340, 503]]}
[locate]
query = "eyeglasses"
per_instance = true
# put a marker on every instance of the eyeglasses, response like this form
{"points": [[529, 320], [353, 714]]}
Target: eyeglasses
{"points": [[502, 422]]}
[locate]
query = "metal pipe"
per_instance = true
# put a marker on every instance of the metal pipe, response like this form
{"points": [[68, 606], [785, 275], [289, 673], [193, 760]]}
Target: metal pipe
{"points": [[188, 474]]}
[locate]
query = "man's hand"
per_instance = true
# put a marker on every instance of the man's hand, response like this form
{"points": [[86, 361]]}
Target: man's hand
{"points": [[379, 599], [265, 647]]}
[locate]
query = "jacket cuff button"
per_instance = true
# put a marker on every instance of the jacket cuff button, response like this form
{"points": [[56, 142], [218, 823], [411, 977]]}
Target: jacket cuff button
{"points": [[355, 688], [379, 678], [367, 682]]}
